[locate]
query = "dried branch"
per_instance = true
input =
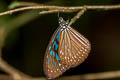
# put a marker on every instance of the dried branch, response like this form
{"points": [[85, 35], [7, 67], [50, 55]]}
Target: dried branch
{"points": [[19, 4], [91, 76], [95, 76], [5, 77], [55, 10], [77, 16], [59, 8], [17, 75]]}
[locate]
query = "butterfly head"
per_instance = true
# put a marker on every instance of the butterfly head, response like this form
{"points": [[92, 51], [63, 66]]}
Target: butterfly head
{"points": [[63, 24]]}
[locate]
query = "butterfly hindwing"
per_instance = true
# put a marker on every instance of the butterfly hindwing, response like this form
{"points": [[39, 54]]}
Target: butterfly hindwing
{"points": [[74, 48], [52, 62]]}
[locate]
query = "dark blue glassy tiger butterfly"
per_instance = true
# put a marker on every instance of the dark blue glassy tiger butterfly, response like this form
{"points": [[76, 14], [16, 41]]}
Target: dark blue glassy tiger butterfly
{"points": [[67, 48]]}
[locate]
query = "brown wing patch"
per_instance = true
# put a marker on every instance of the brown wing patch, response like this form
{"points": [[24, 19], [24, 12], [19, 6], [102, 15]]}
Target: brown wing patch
{"points": [[52, 64], [53, 71], [73, 47]]}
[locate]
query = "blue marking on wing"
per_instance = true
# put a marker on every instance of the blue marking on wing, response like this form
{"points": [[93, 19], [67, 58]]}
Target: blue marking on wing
{"points": [[56, 47], [54, 43], [50, 47], [58, 36], [57, 57], [51, 53], [55, 36], [48, 61], [55, 63], [52, 65], [53, 40]]}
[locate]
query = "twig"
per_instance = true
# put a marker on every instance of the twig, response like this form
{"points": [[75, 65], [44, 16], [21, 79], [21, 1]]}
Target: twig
{"points": [[4, 65], [20, 4], [2, 35], [55, 10], [95, 76], [91, 76], [5, 77], [11, 70], [59, 8], [77, 16]]}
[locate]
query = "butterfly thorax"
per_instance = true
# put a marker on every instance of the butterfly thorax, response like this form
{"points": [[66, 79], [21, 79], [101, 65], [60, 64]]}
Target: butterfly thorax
{"points": [[63, 24]]}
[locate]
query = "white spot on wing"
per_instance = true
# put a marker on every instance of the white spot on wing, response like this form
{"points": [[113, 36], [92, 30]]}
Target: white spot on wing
{"points": [[83, 52], [60, 51], [51, 71], [72, 57], [65, 57], [79, 52], [59, 64], [75, 56], [85, 49], [82, 55], [82, 47], [74, 60], [68, 58], [79, 57]]}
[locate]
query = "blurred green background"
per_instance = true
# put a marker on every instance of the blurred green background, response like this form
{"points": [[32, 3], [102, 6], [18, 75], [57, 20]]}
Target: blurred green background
{"points": [[29, 35]]}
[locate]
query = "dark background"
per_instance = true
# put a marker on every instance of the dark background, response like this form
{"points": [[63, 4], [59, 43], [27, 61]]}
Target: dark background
{"points": [[25, 46]]}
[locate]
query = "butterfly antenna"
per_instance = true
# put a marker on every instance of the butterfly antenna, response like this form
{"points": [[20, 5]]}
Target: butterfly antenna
{"points": [[68, 19], [58, 15]]}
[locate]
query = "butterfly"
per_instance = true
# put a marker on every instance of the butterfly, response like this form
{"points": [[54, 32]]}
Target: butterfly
{"points": [[67, 48]]}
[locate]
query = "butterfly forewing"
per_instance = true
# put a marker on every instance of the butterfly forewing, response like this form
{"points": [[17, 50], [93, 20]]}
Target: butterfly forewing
{"points": [[52, 63], [74, 48], [67, 48]]}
